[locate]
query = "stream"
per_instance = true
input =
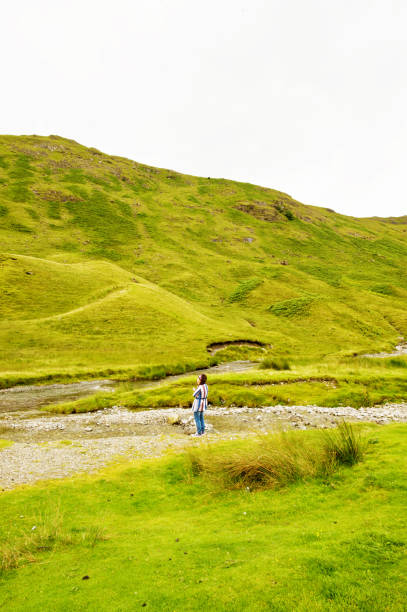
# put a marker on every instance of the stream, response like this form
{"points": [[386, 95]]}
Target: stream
{"points": [[33, 397], [401, 349], [42, 446]]}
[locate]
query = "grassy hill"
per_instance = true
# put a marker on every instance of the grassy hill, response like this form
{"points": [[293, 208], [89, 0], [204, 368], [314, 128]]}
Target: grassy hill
{"points": [[106, 263], [108, 266]]}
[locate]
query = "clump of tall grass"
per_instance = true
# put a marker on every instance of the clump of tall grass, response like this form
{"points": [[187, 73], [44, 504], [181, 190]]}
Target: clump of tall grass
{"points": [[274, 364], [343, 445], [275, 461], [242, 291], [47, 533], [293, 307], [395, 362], [272, 462]]}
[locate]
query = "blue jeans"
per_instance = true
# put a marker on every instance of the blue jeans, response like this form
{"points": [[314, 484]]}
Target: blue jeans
{"points": [[199, 422]]}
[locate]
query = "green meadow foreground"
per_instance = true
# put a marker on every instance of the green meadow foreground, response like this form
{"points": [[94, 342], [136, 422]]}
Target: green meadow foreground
{"points": [[179, 536]]}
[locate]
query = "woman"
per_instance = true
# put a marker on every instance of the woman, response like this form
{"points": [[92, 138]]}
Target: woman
{"points": [[200, 404]]}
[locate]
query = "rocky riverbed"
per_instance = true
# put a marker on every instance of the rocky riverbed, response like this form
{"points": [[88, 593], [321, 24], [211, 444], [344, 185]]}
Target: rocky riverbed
{"points": [[48, 447]]}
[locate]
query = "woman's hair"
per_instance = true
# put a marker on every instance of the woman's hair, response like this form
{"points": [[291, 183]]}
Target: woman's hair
{"points": [[202, 379]]}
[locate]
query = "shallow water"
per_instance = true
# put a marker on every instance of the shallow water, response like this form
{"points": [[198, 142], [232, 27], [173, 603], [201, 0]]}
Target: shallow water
{"points": [[401, 349], [33, 397]]}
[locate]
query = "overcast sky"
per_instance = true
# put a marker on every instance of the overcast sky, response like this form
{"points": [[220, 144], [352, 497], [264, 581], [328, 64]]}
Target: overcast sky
{"points": [[305, 96]]}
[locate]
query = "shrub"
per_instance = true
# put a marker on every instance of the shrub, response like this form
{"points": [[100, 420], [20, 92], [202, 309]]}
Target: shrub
{"points": [[281, 207]]}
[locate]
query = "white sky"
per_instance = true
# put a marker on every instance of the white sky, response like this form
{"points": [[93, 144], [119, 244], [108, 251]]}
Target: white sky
{"points": [[305, 96]]}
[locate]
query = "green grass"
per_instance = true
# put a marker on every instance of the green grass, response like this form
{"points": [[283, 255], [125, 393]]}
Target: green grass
{"points": [[291, 308], [356, 383], [243, 290], [176, 540], [47, 534], [274, 364], [135, 373], [92, 280], [345, 446], [5, 443]]}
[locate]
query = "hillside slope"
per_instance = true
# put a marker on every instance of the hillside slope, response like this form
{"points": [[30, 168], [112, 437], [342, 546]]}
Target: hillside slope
{"points": [[105, 262]]}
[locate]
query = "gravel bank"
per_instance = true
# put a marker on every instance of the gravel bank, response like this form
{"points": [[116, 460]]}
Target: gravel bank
{"points": [[48, 447]]}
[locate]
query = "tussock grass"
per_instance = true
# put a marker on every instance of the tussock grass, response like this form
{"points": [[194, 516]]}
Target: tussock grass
{"points": [[276, 461], [345, 445], [243, 290], [396, 362], [292, 308], [274, 364], [47, 533]]}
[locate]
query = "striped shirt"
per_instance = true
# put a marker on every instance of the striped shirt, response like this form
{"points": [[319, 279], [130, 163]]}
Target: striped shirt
{"points": [[201, 398]]}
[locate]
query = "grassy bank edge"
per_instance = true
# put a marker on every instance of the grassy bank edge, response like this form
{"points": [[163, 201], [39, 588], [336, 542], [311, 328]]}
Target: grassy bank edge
{"points": [[128, 373], [357, 387]]}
